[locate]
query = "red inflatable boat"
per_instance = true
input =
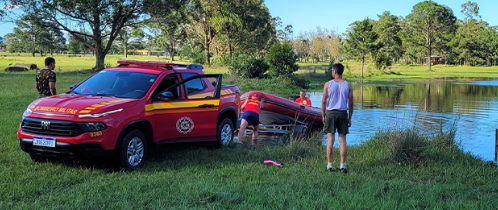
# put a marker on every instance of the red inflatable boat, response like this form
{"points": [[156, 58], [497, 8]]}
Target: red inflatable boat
{"points": [[280, 111]]}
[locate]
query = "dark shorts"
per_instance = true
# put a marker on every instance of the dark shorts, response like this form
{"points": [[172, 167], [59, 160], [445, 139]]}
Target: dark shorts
{"points": [[251, 117], [336, 120]]}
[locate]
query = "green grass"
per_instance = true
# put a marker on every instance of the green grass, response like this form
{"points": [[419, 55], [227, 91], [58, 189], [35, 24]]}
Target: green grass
{"points": [[437, 176], [402, 71], [65, 63]]}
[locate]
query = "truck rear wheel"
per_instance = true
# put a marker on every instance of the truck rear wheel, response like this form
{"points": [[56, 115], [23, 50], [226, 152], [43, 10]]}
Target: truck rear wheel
{"points": [[133, 150], [225, 133]]}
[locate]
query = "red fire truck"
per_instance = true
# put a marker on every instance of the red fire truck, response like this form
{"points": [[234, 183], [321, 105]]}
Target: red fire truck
{"points": [[123, 112]]}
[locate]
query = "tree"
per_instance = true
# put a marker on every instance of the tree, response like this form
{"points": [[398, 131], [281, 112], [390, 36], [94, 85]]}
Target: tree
{"points": [[200, 26], [333, 45], [489, 43], [289, 32], [302, 45], [257, 33], [124, 37], [470, 10], [318, 50], [13, 43], [35, 35], [73, 46], [103, 18], [430, 24], [388, 29], [2, 43], [282, 60], [361, 40], [169, 17]]}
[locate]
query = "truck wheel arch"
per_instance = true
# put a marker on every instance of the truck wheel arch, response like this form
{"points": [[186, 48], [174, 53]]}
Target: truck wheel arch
{"points": [[227, 112], [142, 125]]}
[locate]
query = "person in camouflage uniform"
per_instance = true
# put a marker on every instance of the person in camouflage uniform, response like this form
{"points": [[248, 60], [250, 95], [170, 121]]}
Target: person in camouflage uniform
{"points": [[45, 79]]}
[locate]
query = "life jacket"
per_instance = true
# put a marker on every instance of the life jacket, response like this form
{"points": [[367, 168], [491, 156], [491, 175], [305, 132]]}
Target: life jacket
{"points": [[253, 105]]}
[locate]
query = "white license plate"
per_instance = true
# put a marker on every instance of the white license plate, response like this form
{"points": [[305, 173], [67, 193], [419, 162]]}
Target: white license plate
{"points": [[43, 141]]}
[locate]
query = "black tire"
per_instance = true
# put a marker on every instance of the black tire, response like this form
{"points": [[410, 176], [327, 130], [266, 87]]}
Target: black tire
{"points": [[38, 158], [42, 159], [224, 135], [134, 150]]}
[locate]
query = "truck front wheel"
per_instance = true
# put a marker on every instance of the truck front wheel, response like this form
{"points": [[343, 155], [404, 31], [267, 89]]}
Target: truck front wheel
{"points": [[225, 132], [133, 150]]}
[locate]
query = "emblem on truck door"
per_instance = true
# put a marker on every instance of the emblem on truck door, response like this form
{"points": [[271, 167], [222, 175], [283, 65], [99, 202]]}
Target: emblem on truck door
{"points": [[45, 125], [184, 125]]}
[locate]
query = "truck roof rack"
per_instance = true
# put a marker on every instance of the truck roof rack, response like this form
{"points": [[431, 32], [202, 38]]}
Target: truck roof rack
{"points": [[157, 64]]}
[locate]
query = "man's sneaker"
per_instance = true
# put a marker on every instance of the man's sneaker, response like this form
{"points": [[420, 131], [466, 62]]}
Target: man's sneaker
{"points": [[343, 170]]}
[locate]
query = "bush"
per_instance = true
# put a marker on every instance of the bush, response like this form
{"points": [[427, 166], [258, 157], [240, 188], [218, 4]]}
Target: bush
{"points": [[237, 64], [254, 68], [406, 146], [200, 57], [222, 60], [195, 53], [328, 71], [282, 60], [298, 80], [382, 61]]}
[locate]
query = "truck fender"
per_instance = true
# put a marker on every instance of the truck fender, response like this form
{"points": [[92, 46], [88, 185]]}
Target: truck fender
{"points": [[142, 125], [227, 112]]}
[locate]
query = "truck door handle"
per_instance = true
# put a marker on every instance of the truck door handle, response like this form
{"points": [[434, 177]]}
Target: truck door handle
{"points": [[302, 106], [206, 106]]}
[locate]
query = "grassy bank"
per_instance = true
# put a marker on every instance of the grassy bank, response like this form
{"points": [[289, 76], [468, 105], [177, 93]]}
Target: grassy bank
{"points": [[402, 71], [387, 172]]}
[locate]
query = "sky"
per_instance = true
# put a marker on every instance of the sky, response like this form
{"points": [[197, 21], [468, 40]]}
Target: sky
{"points": [[306, 15]]}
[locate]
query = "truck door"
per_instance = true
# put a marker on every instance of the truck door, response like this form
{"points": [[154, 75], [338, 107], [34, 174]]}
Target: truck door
{"points": [[183, 118]]}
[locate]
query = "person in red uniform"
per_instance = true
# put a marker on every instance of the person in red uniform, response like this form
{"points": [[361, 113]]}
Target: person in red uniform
{"points": [[303, 99], [251, 109]]}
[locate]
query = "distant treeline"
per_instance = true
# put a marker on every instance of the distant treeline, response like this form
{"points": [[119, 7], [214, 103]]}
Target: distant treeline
{"points": [[221, 32], [430, 34]]}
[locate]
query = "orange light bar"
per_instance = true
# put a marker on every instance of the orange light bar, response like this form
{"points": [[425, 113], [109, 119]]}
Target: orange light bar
{"points": [[145, 63]]}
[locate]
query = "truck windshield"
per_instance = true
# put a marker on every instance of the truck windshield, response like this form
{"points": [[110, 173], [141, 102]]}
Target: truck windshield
{"points": [[121, 84]]}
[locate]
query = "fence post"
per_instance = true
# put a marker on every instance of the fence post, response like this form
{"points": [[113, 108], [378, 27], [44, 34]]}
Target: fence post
{"points": [[496, 145]]}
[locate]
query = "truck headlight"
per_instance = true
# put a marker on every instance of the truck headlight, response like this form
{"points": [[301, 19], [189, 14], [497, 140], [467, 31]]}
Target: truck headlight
{"points": [[91, 127], [28, 111], [103, 114]]}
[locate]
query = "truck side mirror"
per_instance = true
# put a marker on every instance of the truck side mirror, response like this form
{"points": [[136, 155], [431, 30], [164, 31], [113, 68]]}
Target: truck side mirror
{"points": [[165, 96], [72, 86]]}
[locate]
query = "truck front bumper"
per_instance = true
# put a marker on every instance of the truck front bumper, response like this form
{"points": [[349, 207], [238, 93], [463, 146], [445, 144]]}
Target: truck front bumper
{"points": [[67, 150]]}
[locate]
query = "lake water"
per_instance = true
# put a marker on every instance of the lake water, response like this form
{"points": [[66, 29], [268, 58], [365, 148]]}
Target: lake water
{"points": [[430, 105]]}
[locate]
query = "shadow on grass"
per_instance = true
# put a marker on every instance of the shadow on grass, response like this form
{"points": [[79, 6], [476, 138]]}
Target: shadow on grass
{"points": [[204, 156]]}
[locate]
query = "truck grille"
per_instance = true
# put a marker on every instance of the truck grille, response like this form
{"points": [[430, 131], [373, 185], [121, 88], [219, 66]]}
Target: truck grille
{"points": [[51, 127]]}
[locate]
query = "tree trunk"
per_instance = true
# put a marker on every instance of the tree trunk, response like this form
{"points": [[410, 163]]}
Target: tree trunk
{"points": [[429, 52], [362, 63], [207, 55], [99, 57], [230, 48], [172, 52], [125, 50]]}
